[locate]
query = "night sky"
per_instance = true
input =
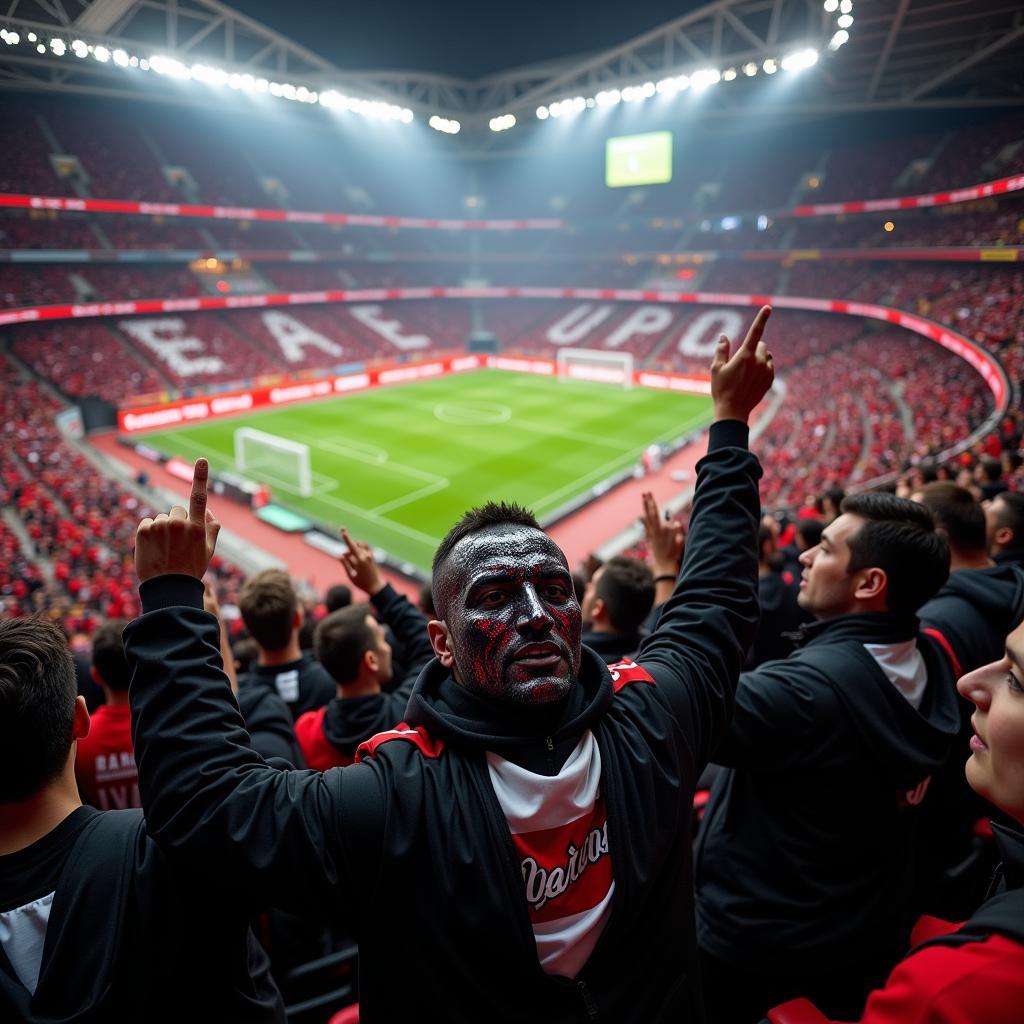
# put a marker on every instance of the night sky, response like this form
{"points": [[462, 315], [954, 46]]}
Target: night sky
{"points": [[467, 38]]}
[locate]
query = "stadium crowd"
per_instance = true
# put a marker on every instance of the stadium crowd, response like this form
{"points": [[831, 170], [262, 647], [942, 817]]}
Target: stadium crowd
{"points": [[767, 763]]}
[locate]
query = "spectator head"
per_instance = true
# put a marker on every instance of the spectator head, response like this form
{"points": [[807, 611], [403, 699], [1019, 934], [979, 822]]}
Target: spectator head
{"points": [[988, 470], [351, 646], [270, 610], [579, 586], [831, 503], [619, 596], [426, 601], [881, 555], [246, 653], [766, 544], [338, 596], [508, 622], [808, 533], [109, 665], [41, 714], [995, 768], [957, 515], [1004, 522]]}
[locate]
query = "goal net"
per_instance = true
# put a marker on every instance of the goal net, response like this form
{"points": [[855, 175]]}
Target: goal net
{"points": [[267, 458], [605, 367]]}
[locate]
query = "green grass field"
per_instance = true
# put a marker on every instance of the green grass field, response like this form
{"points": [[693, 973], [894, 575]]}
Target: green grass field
{"points": [[398, 465]]}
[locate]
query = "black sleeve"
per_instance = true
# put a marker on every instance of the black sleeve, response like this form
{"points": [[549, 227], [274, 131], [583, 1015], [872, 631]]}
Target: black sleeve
{"points": [[272, 731], [697, 651], [283, 838], [409, 626]]}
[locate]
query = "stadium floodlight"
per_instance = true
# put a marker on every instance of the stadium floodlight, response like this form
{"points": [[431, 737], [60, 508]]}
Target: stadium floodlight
{"points": [[609, 97], [102, 54], [844, 20], [729, 75], [444, 124], [121, 59], [80, 48], [704, 78], [846, 6], [770, 66], [58, 46], [647, 90], [750, 69], [831, 6], [40, 48], [839, 39], [502, 122], [542, 113], [32, 37], [800, 60]]}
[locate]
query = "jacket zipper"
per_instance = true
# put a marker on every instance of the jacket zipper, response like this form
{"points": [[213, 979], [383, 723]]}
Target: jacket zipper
{"points": [[589, 1003], [550, 744]]}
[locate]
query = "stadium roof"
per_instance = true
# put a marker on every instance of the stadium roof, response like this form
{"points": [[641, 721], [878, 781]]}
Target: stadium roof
{"points": [[897, 55]]}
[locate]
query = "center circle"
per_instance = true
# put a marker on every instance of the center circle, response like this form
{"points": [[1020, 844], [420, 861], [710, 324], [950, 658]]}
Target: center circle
{"points": [[468, 414]]}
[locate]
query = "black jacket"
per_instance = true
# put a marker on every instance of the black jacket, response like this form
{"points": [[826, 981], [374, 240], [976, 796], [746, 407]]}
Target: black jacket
{"points": [[412, 841], [304, 684], [129, 941], [780, 617], [269, 724], [804, 857], [612, 647], [975, 611]]}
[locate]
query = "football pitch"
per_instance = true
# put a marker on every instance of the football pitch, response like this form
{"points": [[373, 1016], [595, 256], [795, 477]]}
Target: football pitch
{"points": [[398, 465]]}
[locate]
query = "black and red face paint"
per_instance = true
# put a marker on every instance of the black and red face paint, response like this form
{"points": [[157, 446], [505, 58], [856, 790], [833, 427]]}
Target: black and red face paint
{"points": [[513, 620]]}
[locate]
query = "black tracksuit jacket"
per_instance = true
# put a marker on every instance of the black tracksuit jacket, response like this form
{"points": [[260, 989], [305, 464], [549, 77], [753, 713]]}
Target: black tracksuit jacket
{"points": [[130, 941], [805, 852], [412, 843]]}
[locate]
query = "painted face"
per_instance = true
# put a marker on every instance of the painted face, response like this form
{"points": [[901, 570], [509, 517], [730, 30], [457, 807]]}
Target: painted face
{"points": [[512, 620], [826, 588], [995, 768]]}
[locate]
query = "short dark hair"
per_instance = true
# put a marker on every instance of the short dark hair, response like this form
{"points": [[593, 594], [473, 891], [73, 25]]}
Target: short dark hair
{"points": [[426, 600], [957, 513], [338, 596], [835, 495], [340, 641], [1010, 514], [809, 531], [108, 655], [899, 538], [37, 706], [992, 468], [268, 603], [765, 535], [484, 517], [626, 585]]}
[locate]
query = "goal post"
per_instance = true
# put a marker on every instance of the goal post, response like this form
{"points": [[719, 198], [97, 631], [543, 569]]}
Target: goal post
{"points": [[275, 460], [603, 366]]}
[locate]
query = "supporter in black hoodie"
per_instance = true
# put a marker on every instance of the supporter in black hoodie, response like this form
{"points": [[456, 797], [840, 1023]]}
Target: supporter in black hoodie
{"points": [[616, 601], [514, 733], [781, 615], [351, 645], [805, 853], [1004, 525], [94, 926], [978, 606]]}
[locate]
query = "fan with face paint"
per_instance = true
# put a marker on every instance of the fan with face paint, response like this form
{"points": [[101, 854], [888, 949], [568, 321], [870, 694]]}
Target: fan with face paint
{"points": [[512, 625]]}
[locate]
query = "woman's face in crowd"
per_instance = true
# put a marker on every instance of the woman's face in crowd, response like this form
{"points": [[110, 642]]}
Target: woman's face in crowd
{"points": [[995, 768]]}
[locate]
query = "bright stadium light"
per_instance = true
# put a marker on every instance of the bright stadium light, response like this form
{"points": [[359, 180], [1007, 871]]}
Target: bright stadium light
{"points": [[121, 59], [770, 66], [80, 48], [610, 97], [839, 39], [32, 37], [800, 60], [846, 6], [831, 6], [729, 75], [844, 20], [750, 69], [704, 78], [502, 122], [58, 46], [40, 48], [102, 54], [444, 124], [542, 113]]}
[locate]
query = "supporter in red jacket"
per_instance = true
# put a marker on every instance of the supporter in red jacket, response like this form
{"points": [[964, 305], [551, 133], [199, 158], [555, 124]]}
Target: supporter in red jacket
{"points": [[973, 974], [105, 765]]}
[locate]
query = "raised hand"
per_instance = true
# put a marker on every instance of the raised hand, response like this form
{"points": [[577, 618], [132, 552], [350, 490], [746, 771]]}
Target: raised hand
{"points": [[740, 382], [360, 565], [665, 537], [181, 541]]}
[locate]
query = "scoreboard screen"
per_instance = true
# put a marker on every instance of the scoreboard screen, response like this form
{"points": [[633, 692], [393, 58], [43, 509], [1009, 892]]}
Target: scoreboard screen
{"points": [[638, 160]]}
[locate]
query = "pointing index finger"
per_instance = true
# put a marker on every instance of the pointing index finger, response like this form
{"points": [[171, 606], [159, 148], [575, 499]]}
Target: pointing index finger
{"points": [[197, 500], [756, 329]]}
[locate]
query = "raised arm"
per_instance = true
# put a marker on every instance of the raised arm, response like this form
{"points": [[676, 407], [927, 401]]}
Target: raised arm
{"points": [[706, 626], [407, 623], [210, 800]]}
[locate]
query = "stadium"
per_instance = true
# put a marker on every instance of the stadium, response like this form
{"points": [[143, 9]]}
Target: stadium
{"points": [[379, 268]]}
